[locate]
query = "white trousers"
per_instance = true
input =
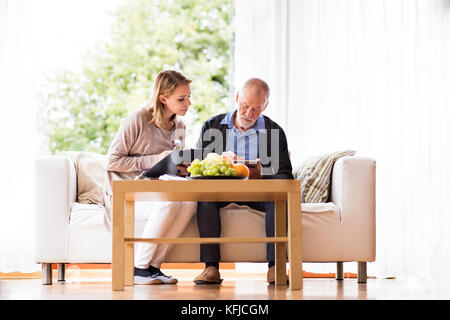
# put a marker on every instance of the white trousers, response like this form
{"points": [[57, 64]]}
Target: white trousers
{"points": [[165, 220]]}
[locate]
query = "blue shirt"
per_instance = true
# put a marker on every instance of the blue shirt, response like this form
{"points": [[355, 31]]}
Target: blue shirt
{"points": [[245, 144]]}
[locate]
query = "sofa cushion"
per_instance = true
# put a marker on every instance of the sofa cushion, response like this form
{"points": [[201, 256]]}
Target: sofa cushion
{"points": [[88, 239], [322, 208], [315, 175], [87, 227], [91, 180], [141, 215], [91, 175]]}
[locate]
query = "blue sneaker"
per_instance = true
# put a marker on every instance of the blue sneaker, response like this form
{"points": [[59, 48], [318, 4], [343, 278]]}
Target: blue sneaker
{"points": [[143, 276]]}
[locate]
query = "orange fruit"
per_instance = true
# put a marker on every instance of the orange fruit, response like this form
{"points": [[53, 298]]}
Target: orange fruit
{"points": [[241, 169]]}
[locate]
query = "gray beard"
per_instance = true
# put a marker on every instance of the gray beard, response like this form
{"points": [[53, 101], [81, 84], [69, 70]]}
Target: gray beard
{"points": [[245, 125]]}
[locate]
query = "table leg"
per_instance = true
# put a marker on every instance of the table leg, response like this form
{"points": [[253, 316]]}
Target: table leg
{"points": [[129, 247], [295, 241], [118, 242], [280, 247]]}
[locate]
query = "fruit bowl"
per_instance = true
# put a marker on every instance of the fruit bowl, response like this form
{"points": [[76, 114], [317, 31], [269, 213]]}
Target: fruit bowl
{"points": [[215, 166], [217, 178]]}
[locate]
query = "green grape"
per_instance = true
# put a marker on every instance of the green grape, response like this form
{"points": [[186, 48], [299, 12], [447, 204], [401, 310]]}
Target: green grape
{"points": [[227, 161], [212, 165]]}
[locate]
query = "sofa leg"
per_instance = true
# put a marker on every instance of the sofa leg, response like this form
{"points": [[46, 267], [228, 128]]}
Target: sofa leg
{"points": [[362, 272], [61, 272], [47, 273], [339, 270]]}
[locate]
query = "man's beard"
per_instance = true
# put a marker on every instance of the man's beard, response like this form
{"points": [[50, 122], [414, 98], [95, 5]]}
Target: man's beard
{"points": [[245, 124]]}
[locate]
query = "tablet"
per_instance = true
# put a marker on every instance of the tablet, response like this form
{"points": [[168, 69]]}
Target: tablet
{"points": [[168, 164]]}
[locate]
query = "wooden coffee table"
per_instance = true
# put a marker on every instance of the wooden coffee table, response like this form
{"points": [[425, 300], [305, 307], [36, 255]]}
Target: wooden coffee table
{"points": [[282, 192]]}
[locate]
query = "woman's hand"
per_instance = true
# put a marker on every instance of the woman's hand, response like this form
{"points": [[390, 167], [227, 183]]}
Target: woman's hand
{"points": [[163, 154]]}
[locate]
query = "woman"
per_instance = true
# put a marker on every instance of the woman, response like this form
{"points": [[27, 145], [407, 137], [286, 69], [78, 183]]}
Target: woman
{"points": [[144, 138]]}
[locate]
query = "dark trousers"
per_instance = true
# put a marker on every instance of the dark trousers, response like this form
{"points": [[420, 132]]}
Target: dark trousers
{"points": [[209, 226]]}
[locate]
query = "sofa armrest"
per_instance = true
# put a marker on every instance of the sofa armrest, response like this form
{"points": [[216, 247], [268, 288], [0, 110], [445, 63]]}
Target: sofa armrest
{"points": [[56, 190], [353, 190]]}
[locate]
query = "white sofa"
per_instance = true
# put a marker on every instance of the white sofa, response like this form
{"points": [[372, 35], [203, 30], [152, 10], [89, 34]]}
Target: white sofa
{"points": [[341, 230]]}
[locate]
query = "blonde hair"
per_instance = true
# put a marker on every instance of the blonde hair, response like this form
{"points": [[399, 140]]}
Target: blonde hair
{"points": [[165, 83]]}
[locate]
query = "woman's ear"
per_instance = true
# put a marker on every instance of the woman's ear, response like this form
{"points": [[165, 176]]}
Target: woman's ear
{"points": [[162, 99]]}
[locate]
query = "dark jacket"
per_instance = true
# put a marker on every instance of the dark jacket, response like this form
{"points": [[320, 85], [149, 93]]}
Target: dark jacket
{"points": [[275, 162]]}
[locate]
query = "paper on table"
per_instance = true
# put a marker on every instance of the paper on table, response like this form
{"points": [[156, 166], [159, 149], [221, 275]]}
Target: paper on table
{"points": [[171, 177]]}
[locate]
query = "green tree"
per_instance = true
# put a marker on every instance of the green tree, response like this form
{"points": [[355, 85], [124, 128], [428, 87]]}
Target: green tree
{"points": [[83, 110]]}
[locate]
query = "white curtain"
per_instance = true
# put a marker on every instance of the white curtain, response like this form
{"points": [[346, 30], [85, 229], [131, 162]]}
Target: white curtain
{"points": [[373, 76], [17, 137], [261, 49], [37, 38]]}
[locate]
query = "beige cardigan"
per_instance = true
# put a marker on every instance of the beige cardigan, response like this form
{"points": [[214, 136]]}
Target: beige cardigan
{"points": [[135, 148]]}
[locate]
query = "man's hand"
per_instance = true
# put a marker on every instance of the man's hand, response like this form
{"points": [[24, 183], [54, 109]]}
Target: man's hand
{"points": [[182, 170]]}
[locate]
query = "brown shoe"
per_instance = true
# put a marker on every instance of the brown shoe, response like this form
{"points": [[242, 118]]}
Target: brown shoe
{"points": [[210, 275], [271, 275]]}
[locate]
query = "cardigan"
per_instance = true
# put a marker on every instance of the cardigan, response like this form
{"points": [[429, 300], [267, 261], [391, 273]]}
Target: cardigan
{"points": [[135, 148]]}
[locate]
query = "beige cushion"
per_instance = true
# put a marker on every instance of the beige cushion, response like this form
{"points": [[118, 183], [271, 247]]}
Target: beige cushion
{"points": [[91, 175], [315, 175], [91, 179]]}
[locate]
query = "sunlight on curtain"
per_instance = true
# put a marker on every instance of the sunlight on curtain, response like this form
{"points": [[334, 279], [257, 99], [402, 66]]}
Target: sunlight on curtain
{"points": [[373, 76], [37, 38], [261, 49], [17, 137]]}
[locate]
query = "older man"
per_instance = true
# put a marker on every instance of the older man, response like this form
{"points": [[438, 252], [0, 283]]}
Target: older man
{"points": [[244, 133]]}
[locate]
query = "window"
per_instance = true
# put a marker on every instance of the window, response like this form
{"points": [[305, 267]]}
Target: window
{"points": [[111, 59]]}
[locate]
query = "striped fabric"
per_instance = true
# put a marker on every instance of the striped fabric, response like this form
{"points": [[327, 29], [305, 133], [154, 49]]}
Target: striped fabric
{"points": [[315, 174]]}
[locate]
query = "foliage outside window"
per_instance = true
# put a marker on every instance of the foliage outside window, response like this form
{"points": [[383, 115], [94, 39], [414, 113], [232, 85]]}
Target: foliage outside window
{"points": [[82, 112]]}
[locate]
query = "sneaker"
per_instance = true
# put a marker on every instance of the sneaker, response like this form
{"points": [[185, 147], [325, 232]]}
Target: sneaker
{"points": [[143, 276], [164, 279], [210, 275]]}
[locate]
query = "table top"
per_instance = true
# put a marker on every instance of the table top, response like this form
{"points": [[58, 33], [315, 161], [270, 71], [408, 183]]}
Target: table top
{"points": [[206, 190]]}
